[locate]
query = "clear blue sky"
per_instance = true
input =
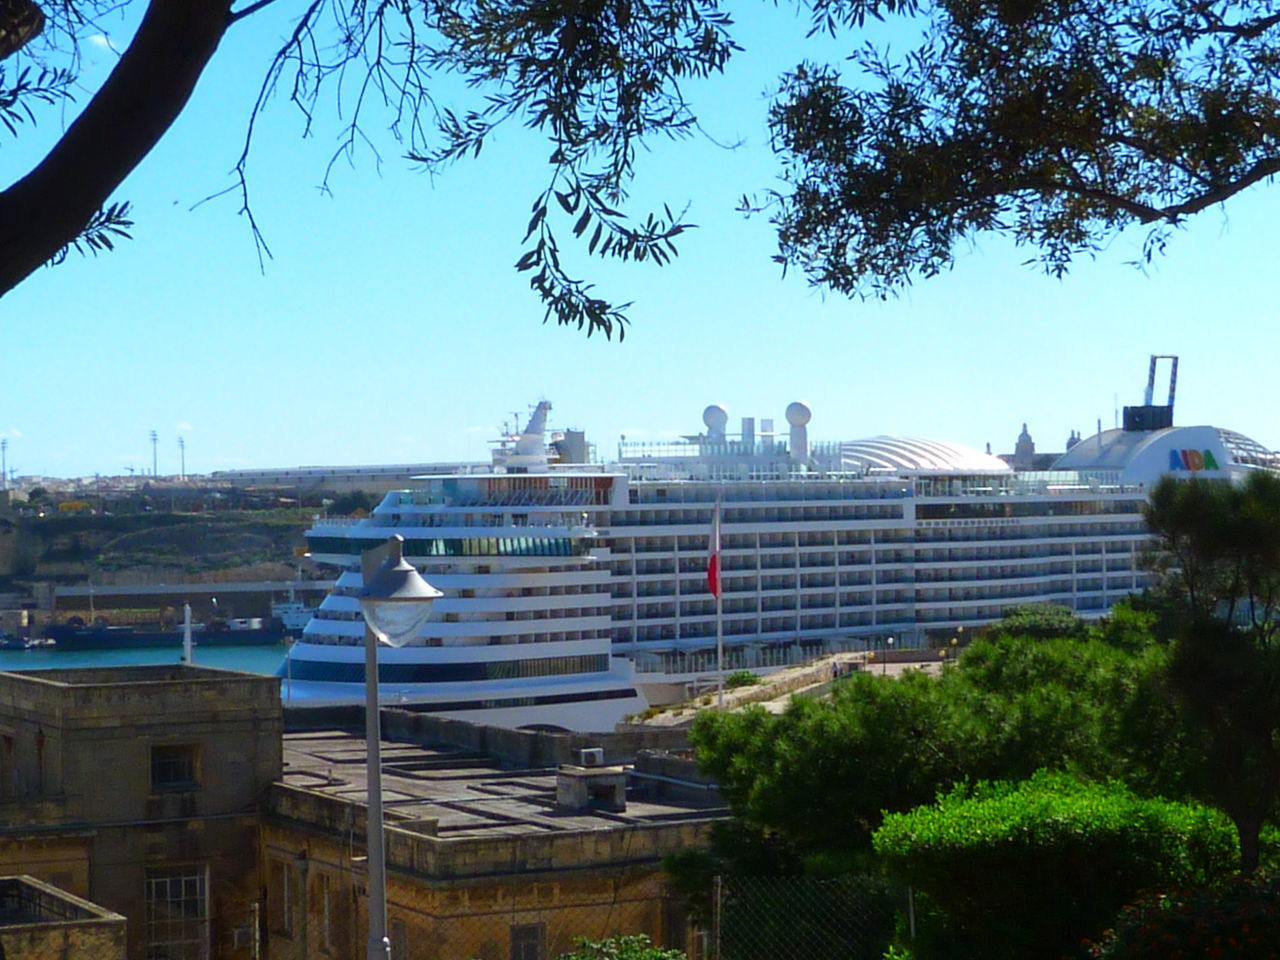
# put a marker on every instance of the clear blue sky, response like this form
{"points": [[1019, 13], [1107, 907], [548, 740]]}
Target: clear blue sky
{"points": [[391, 327]]}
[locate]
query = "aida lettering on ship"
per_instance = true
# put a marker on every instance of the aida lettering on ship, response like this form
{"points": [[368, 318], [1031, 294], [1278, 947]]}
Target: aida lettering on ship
{"points": [[574, 590]]}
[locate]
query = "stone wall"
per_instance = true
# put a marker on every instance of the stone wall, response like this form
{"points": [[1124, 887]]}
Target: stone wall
{"points": [[40, 922], [433, 858], [585, 885], [526, 748], [84, 744], [512, 748]]}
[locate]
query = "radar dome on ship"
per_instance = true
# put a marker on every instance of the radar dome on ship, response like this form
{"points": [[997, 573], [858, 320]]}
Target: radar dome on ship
{"points": [[716, 418], [798, 414]]}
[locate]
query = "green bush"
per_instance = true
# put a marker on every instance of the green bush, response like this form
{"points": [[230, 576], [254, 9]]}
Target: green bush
{"points": [[740, 678], [1235, 920], [1029, 869], [619, 948]]}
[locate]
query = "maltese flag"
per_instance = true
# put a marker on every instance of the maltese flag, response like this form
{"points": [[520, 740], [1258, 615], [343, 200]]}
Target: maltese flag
{"points": [[713, 554]]}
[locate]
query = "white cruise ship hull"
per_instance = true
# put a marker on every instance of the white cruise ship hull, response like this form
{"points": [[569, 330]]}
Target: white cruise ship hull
{"points": [[316, 675]]}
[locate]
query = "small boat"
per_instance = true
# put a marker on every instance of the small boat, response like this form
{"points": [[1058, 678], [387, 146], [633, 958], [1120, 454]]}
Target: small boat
{"points": [[294, 615]]}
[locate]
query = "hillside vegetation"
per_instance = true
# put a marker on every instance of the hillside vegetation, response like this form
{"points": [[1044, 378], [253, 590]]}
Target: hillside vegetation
{"points": [[70, 549]]}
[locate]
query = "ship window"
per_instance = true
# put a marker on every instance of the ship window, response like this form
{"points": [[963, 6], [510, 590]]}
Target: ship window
{"points": [[174, 766]]}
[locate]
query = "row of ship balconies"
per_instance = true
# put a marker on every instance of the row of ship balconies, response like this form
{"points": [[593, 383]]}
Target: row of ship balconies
{"points": [[817, 624], [651, 608], [696, 586]]}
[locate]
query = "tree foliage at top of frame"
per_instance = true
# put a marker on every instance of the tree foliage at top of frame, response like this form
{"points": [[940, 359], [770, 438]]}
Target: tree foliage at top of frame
{"points": [[1056, 122]]}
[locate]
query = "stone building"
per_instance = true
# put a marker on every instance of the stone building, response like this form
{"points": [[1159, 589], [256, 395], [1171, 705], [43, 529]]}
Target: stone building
{"points": [[172, 796], [40, 922], [139, 788], [484, 861]]}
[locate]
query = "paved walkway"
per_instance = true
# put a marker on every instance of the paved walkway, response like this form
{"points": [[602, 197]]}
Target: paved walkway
{"points": [[812, 679]]}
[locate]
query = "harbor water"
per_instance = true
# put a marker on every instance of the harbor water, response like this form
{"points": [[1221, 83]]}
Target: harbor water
{"points": [[264, 660]]}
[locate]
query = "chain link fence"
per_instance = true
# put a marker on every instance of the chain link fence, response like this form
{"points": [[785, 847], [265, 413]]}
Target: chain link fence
{"points": [[339, 931], [749, 918], [801, 918]]}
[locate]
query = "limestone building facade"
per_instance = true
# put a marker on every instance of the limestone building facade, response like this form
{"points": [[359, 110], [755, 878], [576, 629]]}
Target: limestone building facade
{"points": [[139, 789], [485, 861]]}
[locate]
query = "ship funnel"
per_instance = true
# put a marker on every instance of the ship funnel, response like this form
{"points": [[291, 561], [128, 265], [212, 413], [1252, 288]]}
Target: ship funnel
{"points": [[1151, 416], [530, 442]]}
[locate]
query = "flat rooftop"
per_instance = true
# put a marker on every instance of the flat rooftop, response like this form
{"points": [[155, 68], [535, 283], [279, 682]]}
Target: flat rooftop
{"points": [[467, 793], [129, 674], [26, 900]]}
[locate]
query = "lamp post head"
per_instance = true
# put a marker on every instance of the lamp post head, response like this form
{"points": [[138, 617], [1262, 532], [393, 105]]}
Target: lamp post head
{"points": [[396, 601]]}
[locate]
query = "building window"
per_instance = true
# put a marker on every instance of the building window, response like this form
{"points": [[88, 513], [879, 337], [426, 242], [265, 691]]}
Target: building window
{"points": [[177, 913], [325, 911], [281, 897], [529, 941], [8, 780], [173, 767]]}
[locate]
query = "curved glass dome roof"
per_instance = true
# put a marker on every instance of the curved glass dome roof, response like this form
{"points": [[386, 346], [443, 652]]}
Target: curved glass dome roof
{"points": [[1121, 449], [1248, 451], [917, 455]]}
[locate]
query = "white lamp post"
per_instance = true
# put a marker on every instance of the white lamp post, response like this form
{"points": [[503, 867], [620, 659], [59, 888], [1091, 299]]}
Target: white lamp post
{"points": [[396, 602]]}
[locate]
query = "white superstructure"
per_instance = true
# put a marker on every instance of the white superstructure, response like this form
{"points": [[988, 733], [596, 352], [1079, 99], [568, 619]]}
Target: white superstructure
{"points": [[522, 635], [558, 580]]}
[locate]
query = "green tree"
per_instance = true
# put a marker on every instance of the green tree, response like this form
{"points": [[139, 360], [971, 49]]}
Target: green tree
{"points": [[1057, 122], [823, 773], [1043, 620], [1028, 869], [1219, 545]]}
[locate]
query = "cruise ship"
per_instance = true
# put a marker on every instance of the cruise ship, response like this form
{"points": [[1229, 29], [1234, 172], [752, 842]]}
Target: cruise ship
{"points": [[574, 591], [521, 637]]}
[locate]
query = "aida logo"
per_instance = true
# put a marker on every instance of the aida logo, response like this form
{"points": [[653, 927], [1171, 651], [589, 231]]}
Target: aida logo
{"points": [[1192, 460]]}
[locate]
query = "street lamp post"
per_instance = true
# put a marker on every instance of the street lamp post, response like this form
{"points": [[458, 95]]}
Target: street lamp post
{"points": [[395, 602], [888, 648]]}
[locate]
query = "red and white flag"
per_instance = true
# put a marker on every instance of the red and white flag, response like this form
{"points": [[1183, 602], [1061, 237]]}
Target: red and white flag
{"points": [[713, 554]]}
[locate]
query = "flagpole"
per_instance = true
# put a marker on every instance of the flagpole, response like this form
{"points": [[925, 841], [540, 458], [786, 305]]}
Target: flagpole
{"points": [[716, 585], [719, 653]]}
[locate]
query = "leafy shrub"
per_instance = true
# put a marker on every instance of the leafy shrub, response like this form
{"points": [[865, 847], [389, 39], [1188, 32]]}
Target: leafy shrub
{"points": [[620, 948], [1030, 868], [740, 678], [1235, 920], [1045, 621]]}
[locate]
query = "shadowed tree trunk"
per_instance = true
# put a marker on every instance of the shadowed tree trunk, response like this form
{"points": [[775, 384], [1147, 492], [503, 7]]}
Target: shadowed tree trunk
{"points": [[49, 207]]}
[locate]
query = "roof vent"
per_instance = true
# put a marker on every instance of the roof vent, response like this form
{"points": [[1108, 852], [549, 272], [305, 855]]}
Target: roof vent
{"points": [[580, 788]]}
